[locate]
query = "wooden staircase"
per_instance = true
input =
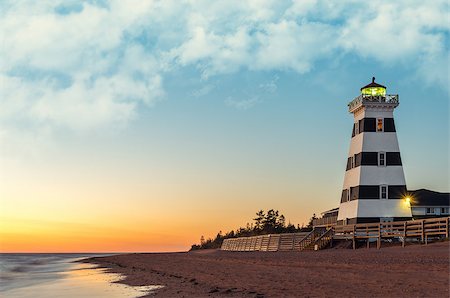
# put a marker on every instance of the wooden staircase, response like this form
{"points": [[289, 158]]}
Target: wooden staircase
{"points": [[318, 236]]}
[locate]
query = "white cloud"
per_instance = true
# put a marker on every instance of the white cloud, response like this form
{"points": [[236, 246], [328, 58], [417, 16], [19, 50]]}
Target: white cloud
{"points": [[270, 86], [243, 104], [96, 64], [204, 90]]}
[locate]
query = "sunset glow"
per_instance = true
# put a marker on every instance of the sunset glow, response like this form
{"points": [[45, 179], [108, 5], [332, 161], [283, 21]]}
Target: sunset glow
{"points": [[136, 126]]}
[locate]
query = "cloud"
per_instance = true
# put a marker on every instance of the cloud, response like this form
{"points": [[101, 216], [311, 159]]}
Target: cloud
{"points": [[270, 86], [253, 95], [203, 90], [244, 104], [81, 65]]}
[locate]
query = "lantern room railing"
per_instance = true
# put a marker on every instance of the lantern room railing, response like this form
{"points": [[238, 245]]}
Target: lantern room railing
{"points": [[363, 98]]}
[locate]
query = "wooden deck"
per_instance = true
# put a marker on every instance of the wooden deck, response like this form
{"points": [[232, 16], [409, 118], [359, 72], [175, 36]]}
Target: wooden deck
{"points": [[321, 237], [414, 229]]}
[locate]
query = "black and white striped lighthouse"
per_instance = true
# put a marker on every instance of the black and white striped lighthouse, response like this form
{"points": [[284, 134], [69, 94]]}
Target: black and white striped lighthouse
{"points": [[374, 184]]}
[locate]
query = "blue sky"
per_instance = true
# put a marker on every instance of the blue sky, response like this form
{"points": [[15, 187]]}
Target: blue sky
{"points": [[223, 103]]}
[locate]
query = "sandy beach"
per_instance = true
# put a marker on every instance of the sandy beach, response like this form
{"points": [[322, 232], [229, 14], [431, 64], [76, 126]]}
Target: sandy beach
{"points": [[414, 271]]}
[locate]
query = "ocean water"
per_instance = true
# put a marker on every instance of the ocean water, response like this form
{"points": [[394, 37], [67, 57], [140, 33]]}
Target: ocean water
{"points": [[59, 275]]}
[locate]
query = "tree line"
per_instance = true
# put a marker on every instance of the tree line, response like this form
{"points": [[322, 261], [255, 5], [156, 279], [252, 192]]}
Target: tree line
{"points": [[270, 222]]}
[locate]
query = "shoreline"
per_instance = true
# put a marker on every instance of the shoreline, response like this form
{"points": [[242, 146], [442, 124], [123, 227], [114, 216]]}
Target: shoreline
{"points": [[416, 270]]}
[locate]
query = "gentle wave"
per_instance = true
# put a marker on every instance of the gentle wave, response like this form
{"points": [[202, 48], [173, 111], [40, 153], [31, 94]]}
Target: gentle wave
{"points": [[58, 275]]}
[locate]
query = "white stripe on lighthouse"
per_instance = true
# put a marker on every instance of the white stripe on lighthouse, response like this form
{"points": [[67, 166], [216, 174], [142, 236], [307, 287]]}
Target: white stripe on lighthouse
{"points": [[374, 175]]}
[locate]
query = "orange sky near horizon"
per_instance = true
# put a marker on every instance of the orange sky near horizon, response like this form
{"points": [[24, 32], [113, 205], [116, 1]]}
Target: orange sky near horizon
{"points": [[96, 208], [142, 126]]}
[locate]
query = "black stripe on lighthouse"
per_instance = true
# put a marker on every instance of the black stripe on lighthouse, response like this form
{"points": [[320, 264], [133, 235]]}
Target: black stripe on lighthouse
{"points": [[373, 159], [372, 192], [370, 125]]}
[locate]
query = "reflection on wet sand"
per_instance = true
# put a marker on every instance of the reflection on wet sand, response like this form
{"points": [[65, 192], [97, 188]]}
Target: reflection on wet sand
{"points": [[78, 280]]}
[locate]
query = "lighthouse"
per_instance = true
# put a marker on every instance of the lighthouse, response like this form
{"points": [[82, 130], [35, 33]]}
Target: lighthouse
{"points": [[374, 187]]}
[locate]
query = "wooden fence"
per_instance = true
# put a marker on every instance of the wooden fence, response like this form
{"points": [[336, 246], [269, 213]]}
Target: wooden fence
{"points": [[271, 242], [325, 221], [422, 229]]}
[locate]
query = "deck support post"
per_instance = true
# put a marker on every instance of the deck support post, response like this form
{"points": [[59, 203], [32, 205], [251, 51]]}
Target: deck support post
{"points": [[423, 230], [446, 227], [404, 233], [354, 232], [379, 236]]}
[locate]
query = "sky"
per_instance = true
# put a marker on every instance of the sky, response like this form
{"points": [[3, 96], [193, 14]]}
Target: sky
{"points": [[143, 125]]}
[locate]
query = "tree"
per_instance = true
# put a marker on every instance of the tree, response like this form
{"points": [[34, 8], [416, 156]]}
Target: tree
{"points": [[259, 220], [281, 221], [265, 223], [311, 221]]}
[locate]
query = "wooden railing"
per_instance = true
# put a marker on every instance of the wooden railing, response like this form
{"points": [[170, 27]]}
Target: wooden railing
{"points": [[324, 240], [325, 221], [270, 242], [280, 242], [318, 236], [310, 238], [421, 229]]}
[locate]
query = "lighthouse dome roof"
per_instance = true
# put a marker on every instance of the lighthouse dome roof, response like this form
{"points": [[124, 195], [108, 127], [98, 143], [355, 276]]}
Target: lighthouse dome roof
{"points": [[373, 85]]}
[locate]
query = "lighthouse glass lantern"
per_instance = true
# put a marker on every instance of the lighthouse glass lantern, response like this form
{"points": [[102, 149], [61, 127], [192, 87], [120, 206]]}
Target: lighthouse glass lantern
{"points": [[374, 182], [373, 89]]}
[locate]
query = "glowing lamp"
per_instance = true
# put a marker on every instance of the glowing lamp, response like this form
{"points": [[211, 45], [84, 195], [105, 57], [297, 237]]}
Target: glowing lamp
{"points": [[373, 89]]}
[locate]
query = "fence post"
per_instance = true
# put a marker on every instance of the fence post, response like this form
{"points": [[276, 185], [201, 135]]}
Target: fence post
{"points": [[354, 232], [404, 233], [423, 230], [379, 236], [446, 227]]}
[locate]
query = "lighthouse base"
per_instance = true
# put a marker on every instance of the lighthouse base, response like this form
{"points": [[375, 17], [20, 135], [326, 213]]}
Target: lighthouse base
{"points": [[357, 220], [368, 211]]}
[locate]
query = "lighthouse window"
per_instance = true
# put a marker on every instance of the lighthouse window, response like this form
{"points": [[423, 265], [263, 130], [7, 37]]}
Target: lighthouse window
{"points": [[380, 124], [383, 192], [356, 128], [381, 159], [389, 125], [393, 159], [358, 159]]}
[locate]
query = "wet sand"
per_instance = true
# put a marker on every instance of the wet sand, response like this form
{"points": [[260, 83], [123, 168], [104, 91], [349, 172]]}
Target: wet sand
{"points": [[413, 271]]}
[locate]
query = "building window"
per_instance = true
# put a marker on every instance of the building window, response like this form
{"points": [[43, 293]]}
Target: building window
{"points": [[357, 128], [383, 192], [380, 124], [382, 159], [352, 160], [430, 210], [444, 210]]}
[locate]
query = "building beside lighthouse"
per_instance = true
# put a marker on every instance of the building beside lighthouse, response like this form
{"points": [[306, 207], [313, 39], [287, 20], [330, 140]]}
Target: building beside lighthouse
{"points": [[374, 183]]}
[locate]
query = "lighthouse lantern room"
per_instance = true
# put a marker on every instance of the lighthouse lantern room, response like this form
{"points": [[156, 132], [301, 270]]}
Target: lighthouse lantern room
{"points": [[374, 185]]}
